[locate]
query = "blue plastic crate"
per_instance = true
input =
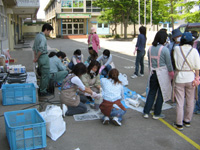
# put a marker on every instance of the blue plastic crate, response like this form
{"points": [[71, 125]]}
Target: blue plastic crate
{"points": [[14, 94], [25, 129]]}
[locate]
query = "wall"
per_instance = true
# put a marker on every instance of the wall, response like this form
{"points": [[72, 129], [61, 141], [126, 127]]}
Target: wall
{"points": [[31, 31]]}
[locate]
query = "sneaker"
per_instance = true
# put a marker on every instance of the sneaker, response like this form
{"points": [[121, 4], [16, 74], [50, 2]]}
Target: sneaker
{"points": [[178, 127], [141, 75], [158, 117], [146, 116], [106, 120], [186, 124], [64, 109], [134, 76], [116, 121]]}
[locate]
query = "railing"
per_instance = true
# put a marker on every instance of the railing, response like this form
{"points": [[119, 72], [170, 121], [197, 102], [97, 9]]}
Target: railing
{"points": [[28, 3]]}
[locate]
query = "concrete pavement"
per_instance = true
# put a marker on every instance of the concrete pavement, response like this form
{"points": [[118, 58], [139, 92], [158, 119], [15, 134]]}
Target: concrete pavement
{"points": [[136, 133]]}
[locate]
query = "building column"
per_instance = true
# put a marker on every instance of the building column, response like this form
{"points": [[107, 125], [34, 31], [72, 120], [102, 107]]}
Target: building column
{"points": [[87, 26], [61, 28], [10, 32]]}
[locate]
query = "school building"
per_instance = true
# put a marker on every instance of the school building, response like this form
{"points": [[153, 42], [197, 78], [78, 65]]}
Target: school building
{"points": [[74, 18]]}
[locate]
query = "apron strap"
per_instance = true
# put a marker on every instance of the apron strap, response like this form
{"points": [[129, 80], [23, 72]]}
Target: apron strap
{"points": [[185, 58], [155, 57]]}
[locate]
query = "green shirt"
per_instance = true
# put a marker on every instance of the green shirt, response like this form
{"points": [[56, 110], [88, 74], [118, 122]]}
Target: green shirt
{"points": [[40, 43], [56, 65]]}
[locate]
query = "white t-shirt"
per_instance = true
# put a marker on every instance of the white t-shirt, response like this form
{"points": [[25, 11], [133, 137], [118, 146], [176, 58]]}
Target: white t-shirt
{"points": [[76, 80], [193, 59]]}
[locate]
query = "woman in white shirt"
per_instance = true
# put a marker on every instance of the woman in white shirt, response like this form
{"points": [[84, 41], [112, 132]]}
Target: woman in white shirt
{"points": [[70, 85], [187, 61], [111, 106], [107, 62]]}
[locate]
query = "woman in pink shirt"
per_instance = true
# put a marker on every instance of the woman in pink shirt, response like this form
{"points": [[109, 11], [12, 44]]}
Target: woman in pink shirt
{"points": [[93, 40]]}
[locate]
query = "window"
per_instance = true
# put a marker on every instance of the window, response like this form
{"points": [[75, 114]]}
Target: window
{"points": [[105, 25], [90, 8], [3, 23], [99, 25], [72, 3]]}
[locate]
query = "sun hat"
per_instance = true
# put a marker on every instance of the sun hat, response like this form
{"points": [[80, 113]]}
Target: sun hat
{"points": [[176, 33], [93, 30]]}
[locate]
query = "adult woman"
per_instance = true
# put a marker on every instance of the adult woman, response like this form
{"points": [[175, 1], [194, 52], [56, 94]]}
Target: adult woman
{"points": [[77, 58], [111, 106], [93, 40], [186, 60], [140, 48], [70, 85], [92, 80], [159, 82], [58, 71], [108, 64]]}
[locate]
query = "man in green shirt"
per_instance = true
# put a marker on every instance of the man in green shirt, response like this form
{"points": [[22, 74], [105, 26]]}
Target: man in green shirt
{"points": [[41, 57]]}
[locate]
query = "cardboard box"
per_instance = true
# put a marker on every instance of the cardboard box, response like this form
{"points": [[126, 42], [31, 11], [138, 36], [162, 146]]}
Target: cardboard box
{"points": [[2, 61]]}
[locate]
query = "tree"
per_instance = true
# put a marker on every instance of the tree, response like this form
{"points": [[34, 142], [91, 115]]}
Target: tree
{"points": [[187, 12], [119, 7]]}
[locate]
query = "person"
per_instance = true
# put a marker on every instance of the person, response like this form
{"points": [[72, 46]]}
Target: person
{"points": [[186, 60], [176, 38], [108, 64], [68, 95], [41, 57], [113, 93], [197, 105], [93, 40], [159, 79], [92, 55], [92, 80], [140, 49], [77, 58], [58, 71]]}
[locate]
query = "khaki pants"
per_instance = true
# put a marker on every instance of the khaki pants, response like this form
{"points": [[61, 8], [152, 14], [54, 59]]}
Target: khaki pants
{"points": [[184, 92]]}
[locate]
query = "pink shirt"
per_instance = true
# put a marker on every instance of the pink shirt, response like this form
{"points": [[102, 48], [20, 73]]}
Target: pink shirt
{"points": [[94, 42]]}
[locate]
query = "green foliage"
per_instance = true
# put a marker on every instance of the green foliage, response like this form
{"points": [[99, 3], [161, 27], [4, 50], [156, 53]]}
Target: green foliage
{"points": [[117, 36], [186, 12]]}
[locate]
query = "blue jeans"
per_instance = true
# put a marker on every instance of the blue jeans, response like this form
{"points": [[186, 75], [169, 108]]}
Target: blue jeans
{"points": [[106, 70], [117, 113], [197, 105], [139, 60], [154, 89], [71, 65], [80, 109]]}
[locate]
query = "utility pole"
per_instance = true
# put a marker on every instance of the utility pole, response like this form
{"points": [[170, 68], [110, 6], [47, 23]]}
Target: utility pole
{"points": [[139, 12], [145, 13]]}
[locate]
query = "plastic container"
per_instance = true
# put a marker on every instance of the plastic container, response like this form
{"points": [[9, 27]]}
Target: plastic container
{"points": [[14, 94], [25, 129]]}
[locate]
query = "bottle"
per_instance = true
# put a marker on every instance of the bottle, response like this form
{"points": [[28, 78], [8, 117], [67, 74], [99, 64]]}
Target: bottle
{"points": [[7, 65]]}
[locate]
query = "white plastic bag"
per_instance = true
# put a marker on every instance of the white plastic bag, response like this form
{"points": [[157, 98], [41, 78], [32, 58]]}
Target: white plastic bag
{"points": [[55, 125], [123, 79]]}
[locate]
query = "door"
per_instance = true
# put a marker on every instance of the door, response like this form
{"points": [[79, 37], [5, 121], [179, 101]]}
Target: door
{"points": [[102, 28], [72, 28]]}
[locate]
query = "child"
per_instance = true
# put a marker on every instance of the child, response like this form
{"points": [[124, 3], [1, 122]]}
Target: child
{"points": [[77, 58], [92, 55], [106, 59], [111, 106]]}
